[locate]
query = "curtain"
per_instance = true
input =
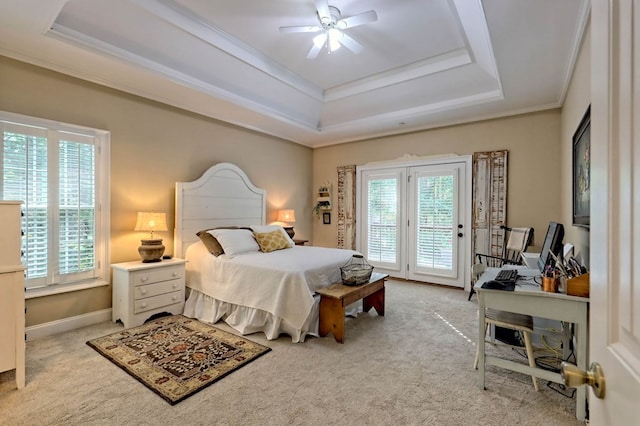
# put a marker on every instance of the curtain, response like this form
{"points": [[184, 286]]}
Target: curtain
{"points": [[489, 202], [346, 225]]}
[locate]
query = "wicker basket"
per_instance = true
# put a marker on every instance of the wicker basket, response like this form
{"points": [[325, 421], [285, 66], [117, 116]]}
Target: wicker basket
{"points": [[356, 271]]}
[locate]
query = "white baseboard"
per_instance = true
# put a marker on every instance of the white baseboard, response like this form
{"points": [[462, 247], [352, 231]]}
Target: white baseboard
{"points": [[67, 324]]}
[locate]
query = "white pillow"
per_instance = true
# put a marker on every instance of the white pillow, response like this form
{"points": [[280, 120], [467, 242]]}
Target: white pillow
{"points": [[262, 229], [235, 241]]}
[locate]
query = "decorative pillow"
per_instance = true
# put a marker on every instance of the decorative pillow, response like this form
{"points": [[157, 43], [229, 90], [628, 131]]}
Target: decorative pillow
{"points": [[210, 243], [272, 241], [261, 229], [235, 241]]}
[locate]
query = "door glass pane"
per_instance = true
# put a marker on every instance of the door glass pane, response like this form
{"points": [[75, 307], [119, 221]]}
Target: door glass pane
{"points": [[435, 228], [382, 220]]}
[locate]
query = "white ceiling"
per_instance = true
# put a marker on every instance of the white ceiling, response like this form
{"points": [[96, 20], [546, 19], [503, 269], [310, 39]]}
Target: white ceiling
{"points": [[425, 63]]}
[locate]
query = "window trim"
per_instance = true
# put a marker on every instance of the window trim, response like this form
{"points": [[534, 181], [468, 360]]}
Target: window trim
{"points": [[103, 199]]}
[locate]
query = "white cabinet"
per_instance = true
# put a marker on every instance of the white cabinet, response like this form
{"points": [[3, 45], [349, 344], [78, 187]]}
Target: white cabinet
{"points": [[141, 290], [12, 346]]}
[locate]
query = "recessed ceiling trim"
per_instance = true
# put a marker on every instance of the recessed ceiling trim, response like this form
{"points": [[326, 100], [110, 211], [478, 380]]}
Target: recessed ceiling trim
{"points": [[279, 107], [474, 23], [420, 111], [418, 69], [581, 26], [431, 125], [69, 35], [187, 21]]}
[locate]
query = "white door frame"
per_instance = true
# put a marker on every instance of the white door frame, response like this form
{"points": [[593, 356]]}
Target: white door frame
{"points": [[398, 267], [456, 276], [465, 214]]}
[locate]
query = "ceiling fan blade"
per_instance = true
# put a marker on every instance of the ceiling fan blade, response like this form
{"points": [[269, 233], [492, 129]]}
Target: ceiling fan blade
{"points": [[359, 19], [322, 6], [350, 43], [314, 51], [299, 29]]}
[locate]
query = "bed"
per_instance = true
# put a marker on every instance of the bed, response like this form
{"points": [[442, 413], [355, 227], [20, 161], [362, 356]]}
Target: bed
{"points": [[251, 290]]}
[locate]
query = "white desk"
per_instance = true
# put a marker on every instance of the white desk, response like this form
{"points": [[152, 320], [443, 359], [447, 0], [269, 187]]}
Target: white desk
{"points": [[531, 300]]}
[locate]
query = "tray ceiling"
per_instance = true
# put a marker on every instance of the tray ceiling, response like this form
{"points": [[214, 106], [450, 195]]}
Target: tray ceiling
{"points": [[424, 63]]}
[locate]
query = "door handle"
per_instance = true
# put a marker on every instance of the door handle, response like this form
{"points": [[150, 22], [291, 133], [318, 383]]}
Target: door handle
{"points": [[573, 377]]}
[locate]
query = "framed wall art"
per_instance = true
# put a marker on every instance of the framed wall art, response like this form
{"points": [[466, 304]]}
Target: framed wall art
{"points": [[326, 218], [582, 172]]}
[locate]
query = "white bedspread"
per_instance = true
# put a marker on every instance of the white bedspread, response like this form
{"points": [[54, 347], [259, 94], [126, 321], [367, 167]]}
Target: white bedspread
{"points": [[281, 282]]}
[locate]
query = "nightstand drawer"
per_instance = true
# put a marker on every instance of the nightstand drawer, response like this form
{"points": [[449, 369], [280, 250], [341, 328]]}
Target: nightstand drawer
{"points": [[149, 290], [156, 275], [154, 302], [142, 290]]}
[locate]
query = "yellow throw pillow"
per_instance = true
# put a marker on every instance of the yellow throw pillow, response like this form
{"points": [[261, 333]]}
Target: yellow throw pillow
{"points": [[272, 241]]}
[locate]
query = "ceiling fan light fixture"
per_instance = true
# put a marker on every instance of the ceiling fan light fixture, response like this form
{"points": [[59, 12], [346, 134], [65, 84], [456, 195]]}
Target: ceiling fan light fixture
{"points": [[334, 39], [319, 40], [333, 45]]}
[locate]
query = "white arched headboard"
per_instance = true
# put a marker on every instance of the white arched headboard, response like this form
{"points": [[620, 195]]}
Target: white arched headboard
{"points": [[222, 196]]}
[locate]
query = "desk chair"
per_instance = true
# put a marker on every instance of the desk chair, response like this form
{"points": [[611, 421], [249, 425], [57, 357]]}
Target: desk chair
{"points": [[516, 241], [519, 322]]}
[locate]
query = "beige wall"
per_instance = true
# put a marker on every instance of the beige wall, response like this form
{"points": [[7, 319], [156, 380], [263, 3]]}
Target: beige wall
{"points": [[152, 147], [534, 166], [575, 105]]}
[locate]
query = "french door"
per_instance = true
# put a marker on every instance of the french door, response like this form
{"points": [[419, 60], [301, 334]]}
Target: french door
{"points": [[413, 219]]}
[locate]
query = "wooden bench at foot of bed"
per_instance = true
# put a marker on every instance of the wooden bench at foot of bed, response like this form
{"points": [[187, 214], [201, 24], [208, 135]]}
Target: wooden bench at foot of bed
{"points": [[335, 298]]}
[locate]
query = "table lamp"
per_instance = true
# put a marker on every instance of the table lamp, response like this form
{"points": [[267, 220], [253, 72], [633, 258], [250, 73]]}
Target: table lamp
{"points": [[151, 250], [287, 217]]}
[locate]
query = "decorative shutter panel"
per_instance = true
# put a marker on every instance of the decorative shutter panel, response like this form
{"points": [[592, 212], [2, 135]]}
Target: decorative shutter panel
{"points": [[489, 202], [346, 225]]}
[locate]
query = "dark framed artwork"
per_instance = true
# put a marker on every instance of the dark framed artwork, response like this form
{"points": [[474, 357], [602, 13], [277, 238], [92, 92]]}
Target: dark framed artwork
{"points": [[582, 172], [326, 218]]}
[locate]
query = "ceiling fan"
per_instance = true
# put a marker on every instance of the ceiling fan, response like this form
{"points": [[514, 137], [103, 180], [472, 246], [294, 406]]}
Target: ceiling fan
{"points": [[331, 27]]}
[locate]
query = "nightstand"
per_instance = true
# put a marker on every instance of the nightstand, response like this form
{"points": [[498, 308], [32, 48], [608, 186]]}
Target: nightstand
{"points": [[141, 290], [300, 242]]}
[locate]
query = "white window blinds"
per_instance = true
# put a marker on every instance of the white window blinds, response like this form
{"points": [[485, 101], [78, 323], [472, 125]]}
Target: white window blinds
{"points": [[436, 225], [54, 173], [383, 219], [77, 207]]}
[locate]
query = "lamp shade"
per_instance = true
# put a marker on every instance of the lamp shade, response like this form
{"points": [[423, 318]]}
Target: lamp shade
{"points": [[287, 216], [151, 250], [151, 221]]}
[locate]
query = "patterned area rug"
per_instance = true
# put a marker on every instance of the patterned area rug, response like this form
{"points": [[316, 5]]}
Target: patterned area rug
{"points": [[176, 356]]}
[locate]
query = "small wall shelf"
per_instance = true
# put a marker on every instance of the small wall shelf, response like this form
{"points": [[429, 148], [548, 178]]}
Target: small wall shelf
{"points": [[323, 199]]}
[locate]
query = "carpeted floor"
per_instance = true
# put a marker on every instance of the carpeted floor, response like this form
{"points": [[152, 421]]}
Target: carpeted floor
{"points": [[176, 356], [413, 366]]}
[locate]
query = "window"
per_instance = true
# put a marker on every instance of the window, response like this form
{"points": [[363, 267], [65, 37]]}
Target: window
{"points": [[59, 172]]}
